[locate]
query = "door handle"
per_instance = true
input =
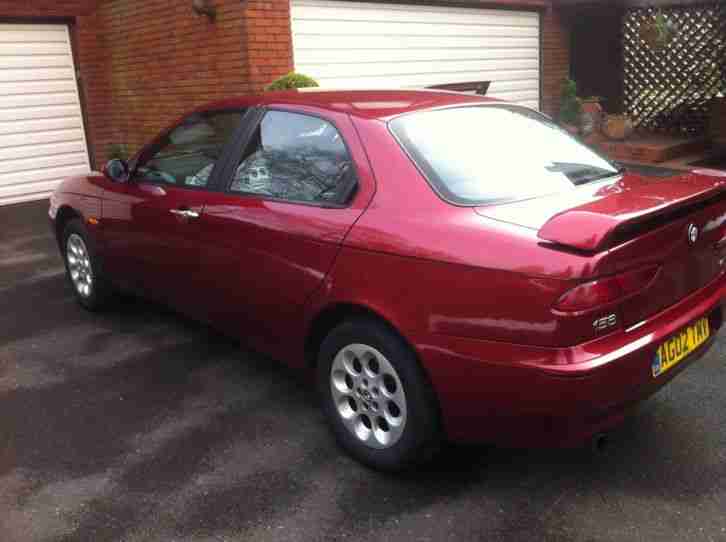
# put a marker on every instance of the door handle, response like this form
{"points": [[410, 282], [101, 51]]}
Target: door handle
{"points": [[185, 213]]}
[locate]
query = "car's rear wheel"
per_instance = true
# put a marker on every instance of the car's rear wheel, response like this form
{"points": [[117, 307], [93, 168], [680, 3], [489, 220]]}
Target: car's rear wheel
{"points": [[83, 268], [376, 397]]}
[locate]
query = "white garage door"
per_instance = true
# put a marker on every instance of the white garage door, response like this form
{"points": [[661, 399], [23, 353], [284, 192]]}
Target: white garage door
{"points": [[368, 45], [41, 126]]}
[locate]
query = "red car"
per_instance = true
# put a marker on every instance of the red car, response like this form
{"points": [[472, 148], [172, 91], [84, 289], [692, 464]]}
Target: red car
{"points": [[451, 266]]}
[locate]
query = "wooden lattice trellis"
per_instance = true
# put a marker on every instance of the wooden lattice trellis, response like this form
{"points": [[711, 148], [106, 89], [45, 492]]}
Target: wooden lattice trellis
{"points": [[668, 86]]}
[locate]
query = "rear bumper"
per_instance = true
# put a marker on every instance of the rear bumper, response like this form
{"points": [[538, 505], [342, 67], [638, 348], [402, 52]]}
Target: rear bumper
{"points": [[520, 395]]}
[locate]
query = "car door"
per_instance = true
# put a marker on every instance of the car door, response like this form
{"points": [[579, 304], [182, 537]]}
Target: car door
{"points": [[286, 202], [151, 223]]}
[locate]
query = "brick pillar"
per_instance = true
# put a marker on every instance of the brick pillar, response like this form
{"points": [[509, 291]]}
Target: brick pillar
{"points": [[555, 58], [268, 41]]}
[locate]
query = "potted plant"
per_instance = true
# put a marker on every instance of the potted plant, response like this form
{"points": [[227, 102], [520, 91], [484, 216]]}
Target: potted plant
{"points": [[570, 107], [592, 116], [117, 151], [659, 32]]}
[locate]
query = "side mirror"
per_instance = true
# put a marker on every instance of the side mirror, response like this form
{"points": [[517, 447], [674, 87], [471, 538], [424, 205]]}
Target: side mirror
{"points": [[117, 170]]}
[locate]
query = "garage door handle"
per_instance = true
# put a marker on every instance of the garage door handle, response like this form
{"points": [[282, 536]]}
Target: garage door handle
{"points": [[185, 213]]}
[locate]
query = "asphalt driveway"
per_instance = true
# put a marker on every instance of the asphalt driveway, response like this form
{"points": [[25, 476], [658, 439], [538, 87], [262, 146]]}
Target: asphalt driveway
{"points": [[138, 424]]}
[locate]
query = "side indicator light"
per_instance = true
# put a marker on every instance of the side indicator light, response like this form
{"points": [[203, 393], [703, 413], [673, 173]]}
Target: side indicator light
{"points": [[93, 221]]}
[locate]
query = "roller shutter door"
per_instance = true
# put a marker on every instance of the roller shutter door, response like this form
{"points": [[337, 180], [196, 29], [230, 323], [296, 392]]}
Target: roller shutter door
{"points": [[376, 45], [42, 139]]}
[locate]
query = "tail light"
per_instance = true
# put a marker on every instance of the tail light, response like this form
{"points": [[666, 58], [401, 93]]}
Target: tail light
{"points": [[606, 291]]}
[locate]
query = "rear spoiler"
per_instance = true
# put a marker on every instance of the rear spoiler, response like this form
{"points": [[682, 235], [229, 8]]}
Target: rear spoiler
{"points": [[601, 224], [477, 87]]}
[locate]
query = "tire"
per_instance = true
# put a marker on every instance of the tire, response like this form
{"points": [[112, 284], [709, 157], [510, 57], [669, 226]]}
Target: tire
{"points": [[79, 256], [396, 437]]}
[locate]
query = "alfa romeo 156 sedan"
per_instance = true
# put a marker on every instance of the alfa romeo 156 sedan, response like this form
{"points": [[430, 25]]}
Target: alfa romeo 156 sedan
{"points": [[449, 266]]}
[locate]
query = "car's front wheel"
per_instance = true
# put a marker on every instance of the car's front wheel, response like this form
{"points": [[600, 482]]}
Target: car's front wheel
{"points": [[376, 397], [83, 268]]}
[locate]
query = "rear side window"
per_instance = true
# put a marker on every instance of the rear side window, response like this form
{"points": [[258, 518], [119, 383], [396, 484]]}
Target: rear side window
{"points": [[298, 158], [491, 154]]}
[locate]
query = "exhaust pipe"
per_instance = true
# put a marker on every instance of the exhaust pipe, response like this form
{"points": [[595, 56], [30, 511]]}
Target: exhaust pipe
{"points": [[599, 443]]}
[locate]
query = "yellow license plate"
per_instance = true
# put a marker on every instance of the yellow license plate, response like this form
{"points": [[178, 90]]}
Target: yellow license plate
{"points": [[675, 349]]}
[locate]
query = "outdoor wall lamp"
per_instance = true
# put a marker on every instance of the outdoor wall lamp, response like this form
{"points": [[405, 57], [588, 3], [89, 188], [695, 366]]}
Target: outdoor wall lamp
{"points": [[203, 7]]}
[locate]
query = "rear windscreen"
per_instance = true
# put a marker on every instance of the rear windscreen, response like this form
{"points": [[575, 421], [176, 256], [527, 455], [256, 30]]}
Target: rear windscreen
{"points": [[494, 153]]}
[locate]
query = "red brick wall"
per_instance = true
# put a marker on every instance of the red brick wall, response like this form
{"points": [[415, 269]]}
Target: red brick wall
{"points": [[555, 58], [268, 40], [143, 62], [44, 8]]}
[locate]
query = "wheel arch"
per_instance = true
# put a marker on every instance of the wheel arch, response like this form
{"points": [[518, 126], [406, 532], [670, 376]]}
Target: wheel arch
{"points": [[65, 214], [331, 316]]}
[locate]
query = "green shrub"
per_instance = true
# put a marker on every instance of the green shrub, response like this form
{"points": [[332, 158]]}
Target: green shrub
{"points": [[117, 151], [292, 80], [570, 104]]}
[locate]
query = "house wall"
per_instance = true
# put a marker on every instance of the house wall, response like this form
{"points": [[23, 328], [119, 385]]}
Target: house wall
{"points": [[44, 8], [143, 62]]}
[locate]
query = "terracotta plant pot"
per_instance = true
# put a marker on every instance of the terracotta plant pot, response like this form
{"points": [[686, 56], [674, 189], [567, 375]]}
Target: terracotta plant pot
{"points": [[618, 127], [592, 116]]}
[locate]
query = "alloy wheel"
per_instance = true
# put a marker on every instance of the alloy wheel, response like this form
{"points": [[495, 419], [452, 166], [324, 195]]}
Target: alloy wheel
{"points": [[79, 265], [368, 395]]}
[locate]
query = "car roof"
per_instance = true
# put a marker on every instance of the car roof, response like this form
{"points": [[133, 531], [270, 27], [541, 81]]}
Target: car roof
{"points": [[369, 104]]}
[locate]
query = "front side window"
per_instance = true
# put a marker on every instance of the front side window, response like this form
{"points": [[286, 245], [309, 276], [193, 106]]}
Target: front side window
{"points": [[496, 153], [295, 157], [186, 156]]}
